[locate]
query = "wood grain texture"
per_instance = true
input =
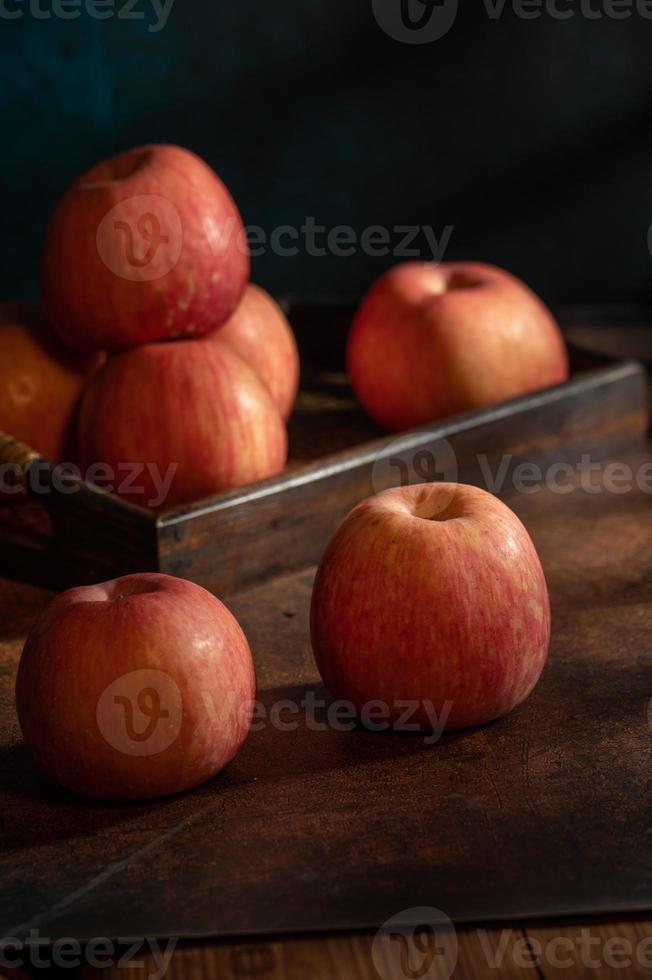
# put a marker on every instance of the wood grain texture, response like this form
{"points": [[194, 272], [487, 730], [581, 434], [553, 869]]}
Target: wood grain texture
{"points": [[545, 812]]}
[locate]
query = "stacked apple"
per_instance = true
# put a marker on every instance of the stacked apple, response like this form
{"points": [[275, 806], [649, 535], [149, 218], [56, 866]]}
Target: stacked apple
{"points": [[146, 258]]}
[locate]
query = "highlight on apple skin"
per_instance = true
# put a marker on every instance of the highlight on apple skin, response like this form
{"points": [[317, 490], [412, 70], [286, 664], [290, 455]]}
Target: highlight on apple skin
{"points": [[260, 333], [190, 409], [147, 245], [433, 340], [136, 688], [432, 594], [41, 382]]}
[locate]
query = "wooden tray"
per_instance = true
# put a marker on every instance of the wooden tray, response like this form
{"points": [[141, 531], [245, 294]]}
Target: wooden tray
{"points": [[545, 812], [337, 457]]}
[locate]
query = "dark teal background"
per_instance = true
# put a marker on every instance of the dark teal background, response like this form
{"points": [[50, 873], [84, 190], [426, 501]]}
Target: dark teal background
{"points": [[531, 138]]}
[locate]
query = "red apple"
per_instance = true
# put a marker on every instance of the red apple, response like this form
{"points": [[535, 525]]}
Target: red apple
{"points": [[40, 382], [433, 595], [432, 340], [262, 336], [188, 412], [148, 245], [135, 688]]}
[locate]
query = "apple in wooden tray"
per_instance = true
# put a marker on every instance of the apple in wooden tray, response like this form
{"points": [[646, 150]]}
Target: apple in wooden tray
{"points": [[260, 333], [432, 340], [41, 382], [148, 245], [136, 688], [431, 599], [180, 421]]}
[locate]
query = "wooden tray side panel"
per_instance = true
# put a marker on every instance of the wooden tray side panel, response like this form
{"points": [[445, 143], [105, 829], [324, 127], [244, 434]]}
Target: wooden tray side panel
{"points": [[81, 535]]}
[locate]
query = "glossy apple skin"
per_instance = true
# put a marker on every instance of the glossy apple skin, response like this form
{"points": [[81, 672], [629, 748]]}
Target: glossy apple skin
{"points": [[93, 305], [260, 333], [189, 403], [431, 340], [88, 638], [41, 382], [432, 593]]}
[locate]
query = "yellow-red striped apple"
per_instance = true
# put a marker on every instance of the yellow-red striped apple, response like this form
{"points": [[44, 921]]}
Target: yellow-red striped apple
{"points": [[431, 596], [135, 688], [41, 382], [148, 245], [261, 335], [432, 340], [180, 421]]}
